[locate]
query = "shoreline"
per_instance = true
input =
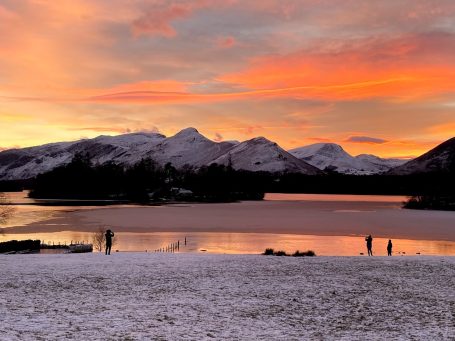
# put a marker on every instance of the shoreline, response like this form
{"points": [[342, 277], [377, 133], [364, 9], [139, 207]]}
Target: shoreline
{"points": [[31, 229], [251, 243]]}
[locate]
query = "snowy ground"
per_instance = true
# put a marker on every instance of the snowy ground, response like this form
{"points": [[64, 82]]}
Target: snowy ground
{"points": [[135, 296]]}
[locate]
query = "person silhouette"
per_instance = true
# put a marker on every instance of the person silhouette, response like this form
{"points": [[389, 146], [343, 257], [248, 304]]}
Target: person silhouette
{"points": [[369, 241], [389, 248], [109, 234]]}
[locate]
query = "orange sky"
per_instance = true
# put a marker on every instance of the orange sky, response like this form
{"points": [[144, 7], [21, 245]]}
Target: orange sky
{"points": [[374, 76]]}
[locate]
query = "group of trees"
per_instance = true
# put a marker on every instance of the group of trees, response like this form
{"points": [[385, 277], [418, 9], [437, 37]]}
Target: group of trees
{"points": [[426, 191], [431, 202], [418, 184], [145, 181]]}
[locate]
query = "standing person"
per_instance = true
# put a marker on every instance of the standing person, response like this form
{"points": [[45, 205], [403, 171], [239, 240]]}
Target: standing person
{"points": [[369, 241], [389, 248], [109, 234]]}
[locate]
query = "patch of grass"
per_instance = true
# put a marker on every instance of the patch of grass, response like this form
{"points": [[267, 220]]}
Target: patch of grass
{"points": [[272, 252], [309, 253], [268, 252]]}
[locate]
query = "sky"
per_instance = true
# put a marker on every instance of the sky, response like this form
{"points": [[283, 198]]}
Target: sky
{"points": [[375, 76]]}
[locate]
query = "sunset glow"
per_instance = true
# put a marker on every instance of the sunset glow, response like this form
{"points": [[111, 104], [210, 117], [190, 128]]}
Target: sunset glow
{"points": [[376, 77]]}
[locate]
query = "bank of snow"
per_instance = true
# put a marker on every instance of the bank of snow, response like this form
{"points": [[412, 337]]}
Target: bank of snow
{"points": [[135, 296]]}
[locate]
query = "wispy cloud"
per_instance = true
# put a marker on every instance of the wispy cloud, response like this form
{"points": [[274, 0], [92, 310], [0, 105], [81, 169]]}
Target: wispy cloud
{"points": [[365, 139], [278, 68], [157, 21], [225, 42], [218, 137]]}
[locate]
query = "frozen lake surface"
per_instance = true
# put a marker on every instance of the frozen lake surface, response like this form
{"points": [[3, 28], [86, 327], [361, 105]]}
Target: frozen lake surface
{"points": [[327, 224]]}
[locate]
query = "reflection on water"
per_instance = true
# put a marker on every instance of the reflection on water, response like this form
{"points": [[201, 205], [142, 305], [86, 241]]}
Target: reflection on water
{"points": [[334, 197], [27, 212], [19, 198], [250, 243]]}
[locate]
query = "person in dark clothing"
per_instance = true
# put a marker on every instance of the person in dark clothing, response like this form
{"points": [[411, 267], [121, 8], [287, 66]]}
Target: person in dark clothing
{"points": [[109, 234], [389, 248], [369, 241]]}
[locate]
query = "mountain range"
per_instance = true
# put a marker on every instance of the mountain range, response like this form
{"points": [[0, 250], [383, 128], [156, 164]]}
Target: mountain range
{"points": [[188, 148], [331, 156]]}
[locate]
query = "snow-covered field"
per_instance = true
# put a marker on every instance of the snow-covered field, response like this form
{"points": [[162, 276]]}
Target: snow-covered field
{"points": [[136, 296]]}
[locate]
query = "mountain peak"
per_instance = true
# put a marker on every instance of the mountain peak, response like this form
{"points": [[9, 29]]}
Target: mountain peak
{"points": [[333, 156], [189, 135], [261, 154], [260, 139], [188, 131], [328, 149]]}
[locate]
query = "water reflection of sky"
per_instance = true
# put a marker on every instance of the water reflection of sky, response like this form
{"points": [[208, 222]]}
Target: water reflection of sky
{"points": [[250, 243], [223, 242], [28, 210], [334, 197]]}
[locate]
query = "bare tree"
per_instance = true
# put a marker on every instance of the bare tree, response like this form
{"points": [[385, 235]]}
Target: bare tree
{"points": [[5, 209], [99, 239]]}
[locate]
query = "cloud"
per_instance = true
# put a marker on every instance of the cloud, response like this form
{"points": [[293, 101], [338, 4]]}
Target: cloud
{"points": [[250, 130], [6, 14], [444, 129], [365, 139], [102, 129], [157, 20], [405, 157], [153, 129], [162, 85], [117, 130], [226, 42], [224, 66], [10, 147], [318, 139], [218, 137], [408, 66], [346, 91]]}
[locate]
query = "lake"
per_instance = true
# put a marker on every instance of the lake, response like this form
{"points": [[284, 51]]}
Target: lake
{"points": [[327, 224]]}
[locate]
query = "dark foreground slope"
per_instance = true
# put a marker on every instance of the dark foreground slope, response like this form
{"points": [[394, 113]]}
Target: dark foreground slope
{"points": [[440, 159]]}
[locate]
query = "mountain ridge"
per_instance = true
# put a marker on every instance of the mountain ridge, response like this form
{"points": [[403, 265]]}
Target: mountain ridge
{"points": [[190, 148], [186, 148], [331, 156], [439, 159]]}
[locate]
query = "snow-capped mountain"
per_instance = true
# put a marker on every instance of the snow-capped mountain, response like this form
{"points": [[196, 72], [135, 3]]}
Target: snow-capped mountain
{"points": [[333, 157], [438, 159], [260, 154], [188, 147], [28, 162], [381, 164]]}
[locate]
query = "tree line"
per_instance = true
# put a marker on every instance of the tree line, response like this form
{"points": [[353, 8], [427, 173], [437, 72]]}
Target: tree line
{"points": [[147, 181]]}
